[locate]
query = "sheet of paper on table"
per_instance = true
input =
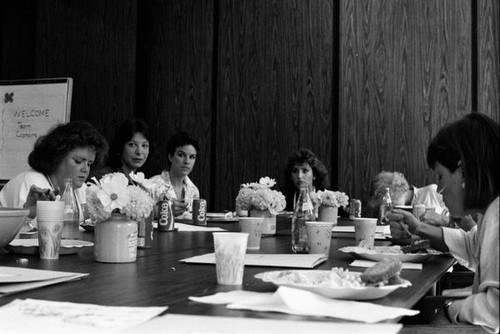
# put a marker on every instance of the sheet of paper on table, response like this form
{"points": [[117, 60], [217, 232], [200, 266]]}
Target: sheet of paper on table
{"points": [[177, 323], [181, 227], [41, 316], [367, 264], [268, 260], [381, 232], [15, 279]]}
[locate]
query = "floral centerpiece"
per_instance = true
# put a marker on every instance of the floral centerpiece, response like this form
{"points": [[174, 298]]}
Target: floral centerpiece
{"points": [[329, 201], [261, 201], [110, 201], [155, 186], [112, 194], [260, 196]]}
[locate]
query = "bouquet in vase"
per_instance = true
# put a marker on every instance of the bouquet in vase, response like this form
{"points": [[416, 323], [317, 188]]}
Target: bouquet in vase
{"points": [[112, 194], [329, 201], [260, 196]]}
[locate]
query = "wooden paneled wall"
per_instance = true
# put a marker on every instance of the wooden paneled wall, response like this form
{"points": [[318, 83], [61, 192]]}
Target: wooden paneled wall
{"points": [[364, 83]]}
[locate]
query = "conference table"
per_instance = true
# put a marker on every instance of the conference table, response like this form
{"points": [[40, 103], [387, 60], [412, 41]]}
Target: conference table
{"points": [[158, 278]]}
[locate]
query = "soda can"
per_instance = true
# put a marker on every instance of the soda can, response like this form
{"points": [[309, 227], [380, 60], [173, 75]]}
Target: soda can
{"points": [[166, 221], [145, 232], [354, 209], [200, 211]]}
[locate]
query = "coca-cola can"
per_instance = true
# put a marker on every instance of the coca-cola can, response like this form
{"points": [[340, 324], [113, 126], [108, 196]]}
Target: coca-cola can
{"points": [[200, 211], [354, 209], [166, 221]]}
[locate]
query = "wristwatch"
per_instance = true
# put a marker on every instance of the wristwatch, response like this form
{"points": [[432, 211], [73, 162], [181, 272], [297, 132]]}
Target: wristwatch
{"points": [[446, 312]]}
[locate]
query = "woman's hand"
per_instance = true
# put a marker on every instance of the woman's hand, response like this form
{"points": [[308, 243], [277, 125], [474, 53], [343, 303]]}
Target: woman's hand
{"points": [[466, 223], [396, 220], [435, 219], [179, 207], [37, 194]]}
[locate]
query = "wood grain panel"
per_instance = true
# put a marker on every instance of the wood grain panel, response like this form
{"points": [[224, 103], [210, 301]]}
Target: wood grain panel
{"points": [[17, 39], [175, 77], [405, 71], [94, 42], [274, 88], [488, 37]]}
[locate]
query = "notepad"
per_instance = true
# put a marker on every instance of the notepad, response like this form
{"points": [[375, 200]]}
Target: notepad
{"points": [[15, 279], [268, 260]]}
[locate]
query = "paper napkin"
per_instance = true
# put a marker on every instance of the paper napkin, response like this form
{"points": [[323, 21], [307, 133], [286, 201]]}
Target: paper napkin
{"points": [[301, 302], [367, 264], [268, 260]]}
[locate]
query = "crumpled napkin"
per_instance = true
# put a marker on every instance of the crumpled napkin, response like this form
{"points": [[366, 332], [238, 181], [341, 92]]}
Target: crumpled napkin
{"points": [[302, 302]]}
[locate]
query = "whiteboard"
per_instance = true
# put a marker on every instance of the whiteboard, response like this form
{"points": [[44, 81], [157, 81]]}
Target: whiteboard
{"points": [[29, 109]]}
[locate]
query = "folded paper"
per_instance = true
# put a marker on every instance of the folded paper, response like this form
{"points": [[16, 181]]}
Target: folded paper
{"points": [[301, 302]]}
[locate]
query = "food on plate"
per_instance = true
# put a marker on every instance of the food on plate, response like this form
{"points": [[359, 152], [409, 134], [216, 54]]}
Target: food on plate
{"points": [[383, 272], [337, 277]]}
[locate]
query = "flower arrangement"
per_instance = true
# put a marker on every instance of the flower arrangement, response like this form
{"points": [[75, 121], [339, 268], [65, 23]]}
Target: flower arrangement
{"points": [[112, 194], [155, 186], [330, 198], [260, 196]]}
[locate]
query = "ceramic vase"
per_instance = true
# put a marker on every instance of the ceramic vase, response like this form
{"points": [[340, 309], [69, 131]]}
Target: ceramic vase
{"points": [[269, 223], [328, 214], [115, 240]]}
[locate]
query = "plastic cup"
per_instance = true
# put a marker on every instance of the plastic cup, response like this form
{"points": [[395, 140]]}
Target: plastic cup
{"points": [[319, 236], [230, 249], [364, 231], [50, 221], [252, 226]]}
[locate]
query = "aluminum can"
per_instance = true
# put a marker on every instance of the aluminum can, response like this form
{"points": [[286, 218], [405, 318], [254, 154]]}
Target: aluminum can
{"points": [[200, 211], [166, 221], [145, 232], [354, 209]]}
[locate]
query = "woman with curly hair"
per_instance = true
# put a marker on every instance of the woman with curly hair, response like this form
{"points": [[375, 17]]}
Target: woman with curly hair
{"points": [[67, 151], [402, 193], [303, 168]]}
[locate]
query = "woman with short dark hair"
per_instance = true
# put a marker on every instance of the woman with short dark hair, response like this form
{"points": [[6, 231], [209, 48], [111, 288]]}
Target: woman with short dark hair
{"points": [[465, 157], [182, 150]]}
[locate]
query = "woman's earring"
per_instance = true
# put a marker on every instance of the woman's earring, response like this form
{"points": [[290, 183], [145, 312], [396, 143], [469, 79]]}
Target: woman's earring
{"points": [[463, 185]]}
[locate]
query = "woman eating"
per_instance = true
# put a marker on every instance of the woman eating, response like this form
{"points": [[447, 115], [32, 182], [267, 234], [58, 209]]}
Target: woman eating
{"points": [[129, 149], [181, 151], [67, 151], [465, 157]]}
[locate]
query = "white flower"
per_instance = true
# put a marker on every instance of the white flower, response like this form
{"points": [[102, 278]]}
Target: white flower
{"points": [[155, 186], [140, 204], [267, 182], [331, 198], [260, 196], [113, 191], [113, 194]]}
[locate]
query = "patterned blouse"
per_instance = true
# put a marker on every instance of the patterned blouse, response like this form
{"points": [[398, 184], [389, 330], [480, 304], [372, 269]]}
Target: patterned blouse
{"points": [[189, 192]]}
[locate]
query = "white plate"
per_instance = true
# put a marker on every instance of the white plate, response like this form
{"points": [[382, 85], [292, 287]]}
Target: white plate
{"points": [[30, 246], [282, 278], [380, 252]]}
